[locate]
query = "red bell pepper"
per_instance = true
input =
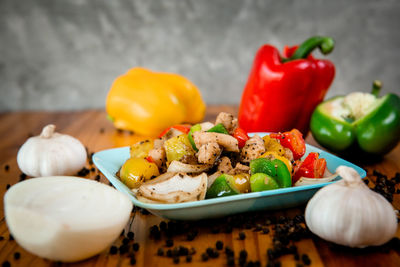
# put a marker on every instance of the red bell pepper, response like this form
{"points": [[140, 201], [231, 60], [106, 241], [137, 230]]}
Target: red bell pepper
{"points": [[282, 92], [241, 136], [293, 140], [312, 167]]}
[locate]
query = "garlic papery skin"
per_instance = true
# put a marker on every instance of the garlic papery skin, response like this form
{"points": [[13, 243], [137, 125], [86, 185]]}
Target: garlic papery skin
{"points": [[349, 213], [51, 154]]}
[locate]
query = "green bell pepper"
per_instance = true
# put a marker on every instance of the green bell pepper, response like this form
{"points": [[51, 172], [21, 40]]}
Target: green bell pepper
{"points": [[262, 182], [274, 168], [194, 128], [222, 187], [219, 128], [358, 122]]}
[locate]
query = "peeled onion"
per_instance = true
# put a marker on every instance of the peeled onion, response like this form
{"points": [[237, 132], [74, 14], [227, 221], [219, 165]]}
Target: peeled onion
{"points": [[65, 218]]}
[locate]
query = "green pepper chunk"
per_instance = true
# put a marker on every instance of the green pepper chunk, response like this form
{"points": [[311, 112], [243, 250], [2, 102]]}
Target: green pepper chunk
{"points": [[274, 168], [358, 124], [262, 182], [194, 128], [222, 187], [219, 128]]}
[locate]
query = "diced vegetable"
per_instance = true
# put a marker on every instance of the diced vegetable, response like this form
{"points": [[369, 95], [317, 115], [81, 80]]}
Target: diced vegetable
{"points": [[292, 140], [274, 155], [240, 181], [222, 187], [241, 136], [137, 170], [177, 147], [273, 145], [194, 128], [274, 168], [219, 128], [141, 149], [262, 182], [312, 167]]}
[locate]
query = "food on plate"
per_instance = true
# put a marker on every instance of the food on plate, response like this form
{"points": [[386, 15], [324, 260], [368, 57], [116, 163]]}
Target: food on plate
{"points": [[223, 157], [359, 123], [65, 218], [349, 213], [282, 91], [173, 187], [51, 153], [148, 102]]}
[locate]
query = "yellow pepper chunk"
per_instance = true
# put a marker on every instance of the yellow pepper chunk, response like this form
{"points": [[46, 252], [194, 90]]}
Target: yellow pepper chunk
{"points": [[271, 144], [147, 102], [137, 170], [242, 182], [141, 149], [177, 147]]}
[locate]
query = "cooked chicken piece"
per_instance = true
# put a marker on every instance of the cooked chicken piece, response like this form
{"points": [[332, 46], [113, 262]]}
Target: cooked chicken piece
{"points": [[239, 168], [208, 153], [225, 165], [177, 166], [253, 148], [288, 154], [158, 155], [230, 143], [228, 120]]}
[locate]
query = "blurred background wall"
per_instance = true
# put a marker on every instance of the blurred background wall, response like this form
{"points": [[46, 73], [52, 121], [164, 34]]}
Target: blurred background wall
{"points": [[64, 55]]}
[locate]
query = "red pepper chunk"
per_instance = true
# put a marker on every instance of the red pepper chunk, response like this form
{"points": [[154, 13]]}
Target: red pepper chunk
{"points": [[241, 136], [292, 140], [311, 167], [180, 127]]}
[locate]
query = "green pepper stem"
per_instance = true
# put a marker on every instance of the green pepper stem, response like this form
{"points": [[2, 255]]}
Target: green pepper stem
{"points": [[376, 87], [325, 44]]}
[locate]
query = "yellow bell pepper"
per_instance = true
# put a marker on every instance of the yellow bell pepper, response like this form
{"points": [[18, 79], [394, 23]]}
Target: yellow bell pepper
{"points": [[147, 102]]}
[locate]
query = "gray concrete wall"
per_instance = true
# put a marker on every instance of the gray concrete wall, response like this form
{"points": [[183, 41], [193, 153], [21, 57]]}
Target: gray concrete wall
{"points": [[65, 54]]}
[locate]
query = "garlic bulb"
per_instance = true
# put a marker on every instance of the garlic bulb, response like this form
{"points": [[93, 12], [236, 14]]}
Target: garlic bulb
{"points": [[349, 213], [51, 154]]}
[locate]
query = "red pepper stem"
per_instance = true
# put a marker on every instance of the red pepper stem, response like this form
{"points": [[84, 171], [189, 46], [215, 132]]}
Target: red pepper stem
{"points": [[325, 44], [376, 87]]}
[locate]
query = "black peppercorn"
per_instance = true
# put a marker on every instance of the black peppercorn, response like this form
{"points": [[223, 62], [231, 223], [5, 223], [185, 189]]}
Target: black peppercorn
{"points": [[169, 242], [306, 260], [17, 255], [204, 257], [242, 236], [130, 235], [219, 245], [160, 252], [6, 264], [189, 258], [135, 246], [176, 260], [113, 250]]}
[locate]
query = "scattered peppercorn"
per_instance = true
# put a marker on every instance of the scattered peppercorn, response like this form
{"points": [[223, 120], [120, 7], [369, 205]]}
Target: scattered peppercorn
{"points": [[125, 241], [132, 260], [1, 238], [242, 236], [204, 257], [169, 243], [243, 254], [7, 167], [306, 260], [176, 260], [160, 252], [113, 250], [97, 178], [8, 186], [189, 258], [230, 261], [17, 255], [11, 238], [22, 176], [6, 264], [130, 235], [219, 245], [135, 246]]}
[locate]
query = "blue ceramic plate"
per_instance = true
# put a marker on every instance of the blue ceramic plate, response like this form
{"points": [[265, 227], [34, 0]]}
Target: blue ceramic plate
{"points": [[109, 162]]}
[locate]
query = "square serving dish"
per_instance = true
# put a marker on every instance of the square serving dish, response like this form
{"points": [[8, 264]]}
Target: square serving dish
{"points": [[109, 162]]}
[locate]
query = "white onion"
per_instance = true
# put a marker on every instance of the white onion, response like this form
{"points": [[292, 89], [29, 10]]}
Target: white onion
{"points": [[65, 218]]}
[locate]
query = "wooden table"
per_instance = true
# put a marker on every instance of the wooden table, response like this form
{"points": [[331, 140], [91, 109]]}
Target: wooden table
{"points": [[97, 133]]}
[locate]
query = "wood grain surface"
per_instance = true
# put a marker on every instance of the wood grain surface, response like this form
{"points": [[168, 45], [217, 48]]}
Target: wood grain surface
{"points": [[97, 133]]}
